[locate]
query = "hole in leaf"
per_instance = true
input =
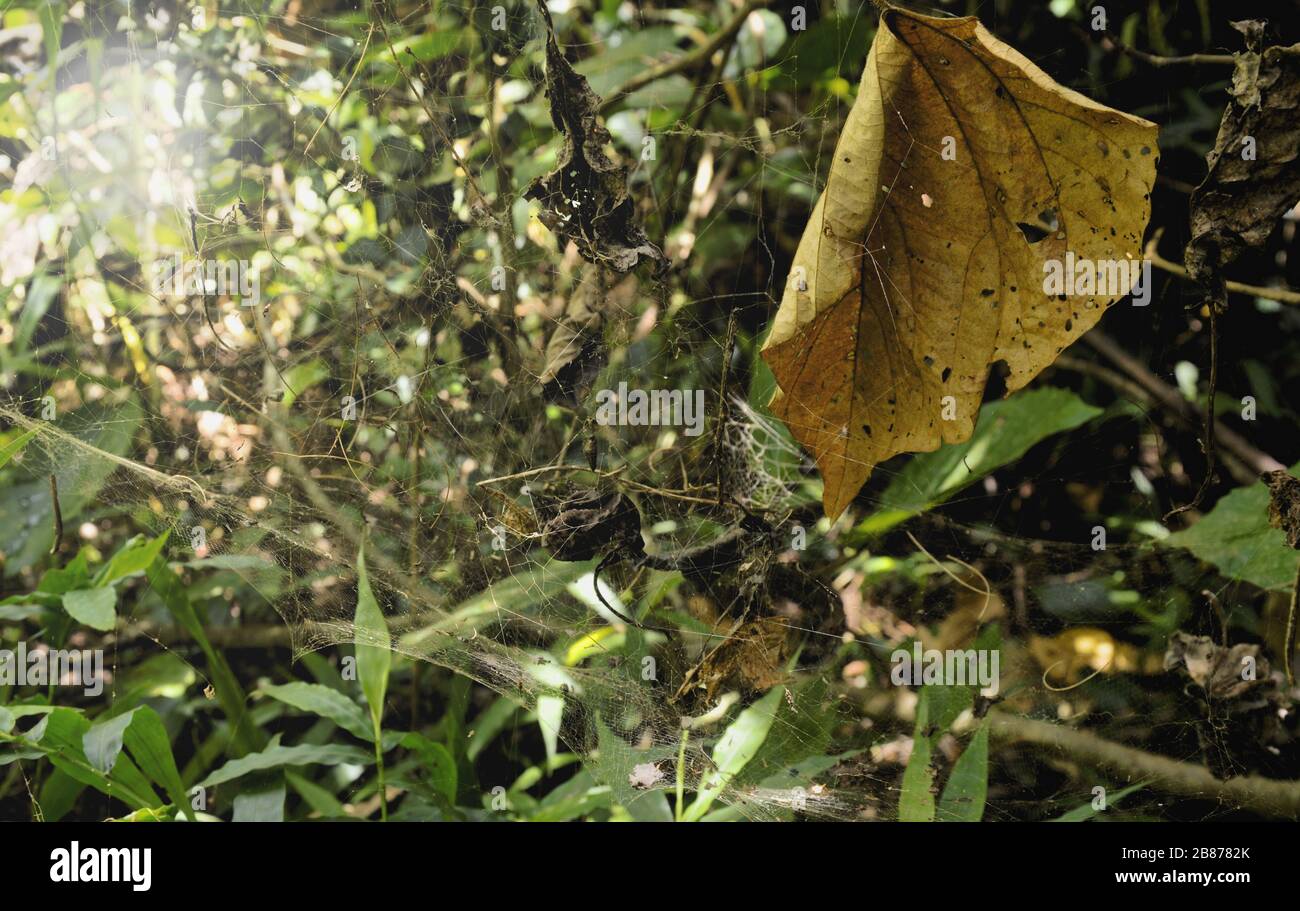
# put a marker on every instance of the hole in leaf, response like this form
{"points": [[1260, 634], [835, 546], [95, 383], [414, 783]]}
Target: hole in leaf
{"points": [[1047, 223], [996, 386]]}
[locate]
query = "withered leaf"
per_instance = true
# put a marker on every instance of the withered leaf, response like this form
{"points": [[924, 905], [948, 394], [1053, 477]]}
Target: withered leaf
{"points": [[575, 351], [1254, 167], [585, 199], [1216, 669], [579, 525], [1284, 504], [919, 270]]}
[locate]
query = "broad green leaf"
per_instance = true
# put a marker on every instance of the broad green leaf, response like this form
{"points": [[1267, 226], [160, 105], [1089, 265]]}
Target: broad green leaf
{"points": [[44, 291], [276, 756], [372, 645], [134, 557], [59, 795], [9, 714], [94, 607], [60, 734], [103, 742], [147, 742], [62, 579], [145, 738], [916, 803], [1236, 538], [265, 804], [738, 745], [1006, 430], [436, 763], [968, 784], [326, 702]]}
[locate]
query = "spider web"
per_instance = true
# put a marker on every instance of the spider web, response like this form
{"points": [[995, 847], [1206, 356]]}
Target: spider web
{"points": [[363, 401]]}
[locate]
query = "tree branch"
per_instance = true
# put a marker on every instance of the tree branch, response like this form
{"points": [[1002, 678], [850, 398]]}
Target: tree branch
{"points": [[1265, 796], [1168, 396], [687, 61]]}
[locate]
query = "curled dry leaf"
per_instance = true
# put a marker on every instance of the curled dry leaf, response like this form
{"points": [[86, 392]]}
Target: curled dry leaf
{"points": [[575, 352], [1284, 504], [1254, 168], [1224, 673], [892, 304], [585, 199]]}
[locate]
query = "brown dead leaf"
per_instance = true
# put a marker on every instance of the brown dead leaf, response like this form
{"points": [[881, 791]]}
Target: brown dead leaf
{"points": [[574, 352], [585, 199], [916, 273], [1254, 168], [752, 658], [1284, 504], [1224, 673]]}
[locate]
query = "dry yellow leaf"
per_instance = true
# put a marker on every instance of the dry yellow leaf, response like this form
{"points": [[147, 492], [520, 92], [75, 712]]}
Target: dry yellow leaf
{"points": [[961, 172]]}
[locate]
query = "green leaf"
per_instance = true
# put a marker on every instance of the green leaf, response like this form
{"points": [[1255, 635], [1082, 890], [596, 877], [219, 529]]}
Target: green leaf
{"points": [[1236, 538], [301, 377], [320, 800], [60, 735], [1088, 811], [44, 291], [134, 557], [1005, 432], [149, 746], [103, 742], [145, 738], [738, 745], [916, 803], [94, 607], [276, 756], [370, 633], [15, 446], [614, 763], [265, 804], [437, 763], [9, 714], [968, 784], [326, 702], [52, 29], [165, 583], [550, 715]]}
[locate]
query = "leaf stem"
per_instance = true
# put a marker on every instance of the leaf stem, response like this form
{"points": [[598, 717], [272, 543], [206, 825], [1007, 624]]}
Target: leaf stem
{"points": [[681, 775], [379, 766]]}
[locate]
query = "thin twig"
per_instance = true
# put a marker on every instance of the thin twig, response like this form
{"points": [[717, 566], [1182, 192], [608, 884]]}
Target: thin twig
{"points": [[1265, 796], [1208, 445], [1288, 639], [1281, 295], [1169, 397], [689, 60], [1111, 43]]}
